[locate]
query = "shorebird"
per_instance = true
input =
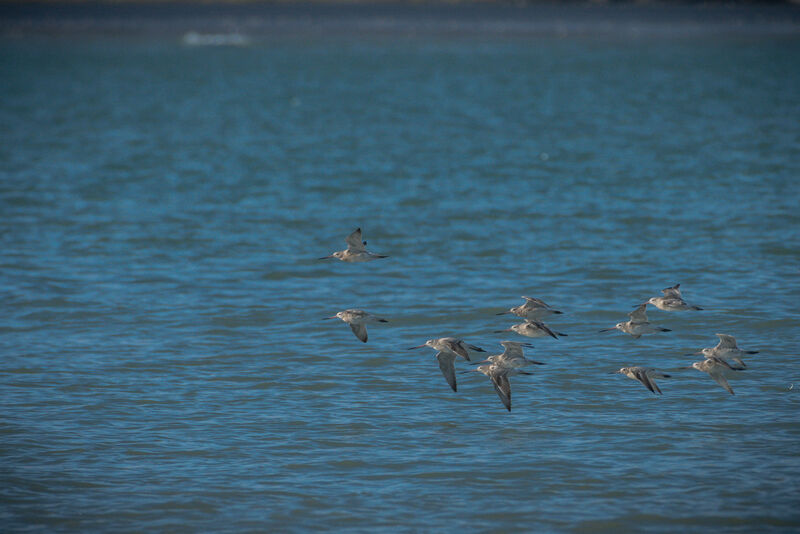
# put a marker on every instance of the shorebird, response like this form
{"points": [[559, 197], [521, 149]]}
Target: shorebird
{"points": [[727, 349], [448, 348], [645, 376], [531, 328], [715, 367], [672, 300], [513, 356], [358, 319], [356, 250], [638, 325], [533, 309]]}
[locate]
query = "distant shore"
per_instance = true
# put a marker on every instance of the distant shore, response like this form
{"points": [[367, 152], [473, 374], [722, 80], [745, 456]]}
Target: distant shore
{"points": [[394, 18]]}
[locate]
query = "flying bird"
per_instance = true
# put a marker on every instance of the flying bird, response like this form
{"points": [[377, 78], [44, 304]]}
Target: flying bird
{"points": [[727, 349], [530, 328], [645, 376], [638, 325], [358, 319], [533, 309], [356, 250], [672, 300], [448, 349]]}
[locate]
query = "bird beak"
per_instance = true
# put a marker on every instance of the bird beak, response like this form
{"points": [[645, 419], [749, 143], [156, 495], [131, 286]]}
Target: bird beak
{"points": [[331, 317], [325, 257], [417, 347], [502, 313], [607, 329], [501, 331]]}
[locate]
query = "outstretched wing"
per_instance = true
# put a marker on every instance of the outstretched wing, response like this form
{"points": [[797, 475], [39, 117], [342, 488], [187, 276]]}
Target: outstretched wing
{"points": [[726, 342], [536, 302], [641, 376], [543, 327], [360, 330], [503, 388], [354, 242], [673, 291], [448, 367], [639, 315], [716, 373], [457, 346]]}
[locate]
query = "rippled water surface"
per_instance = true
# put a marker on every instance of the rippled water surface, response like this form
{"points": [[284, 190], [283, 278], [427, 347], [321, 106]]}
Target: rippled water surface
{"points": [[163, 362]]}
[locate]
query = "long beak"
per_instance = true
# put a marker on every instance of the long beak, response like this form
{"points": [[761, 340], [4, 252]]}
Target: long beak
{"points": [[694, 353], [325, 257], [502, 313], [331, 317], [501, 331], [417, 347], [607, 329], [687, 367]]}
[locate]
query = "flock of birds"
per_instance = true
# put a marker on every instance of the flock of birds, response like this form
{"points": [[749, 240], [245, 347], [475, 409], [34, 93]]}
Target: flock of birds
{"points": [[512, 361]]}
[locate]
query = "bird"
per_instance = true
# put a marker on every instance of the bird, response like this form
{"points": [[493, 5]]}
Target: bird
{"points": [[530, 328], [358, 319], [727, 349], [672, 300], [645, 376], [513, 356], [638, 325], [533, 309], [356, 250], [448, 348], [715, 367]]}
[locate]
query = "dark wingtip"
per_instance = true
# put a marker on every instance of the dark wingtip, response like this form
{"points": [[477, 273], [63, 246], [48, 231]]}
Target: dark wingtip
{"points": [[562, 334], [666, 330], [751, 352], [382, 321], [666, 376], [697, 308], [455, 388], [557, 312]]}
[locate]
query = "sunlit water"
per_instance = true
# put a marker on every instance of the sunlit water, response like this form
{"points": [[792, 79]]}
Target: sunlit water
{"points": [[163, 362]]}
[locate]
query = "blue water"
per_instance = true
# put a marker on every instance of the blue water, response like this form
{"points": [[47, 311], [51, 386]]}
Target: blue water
{"points": [[163, 362]]}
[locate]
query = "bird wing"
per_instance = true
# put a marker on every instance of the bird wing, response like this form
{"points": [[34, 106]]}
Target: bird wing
{"points": [[360, 330], [726, 342], [639, 315], [641, 376], [716, 373], [447, 365], [503, 388], [512, 350], [536, 302], [544, 328], [673, 291], [354, 242], [457, 346]]}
